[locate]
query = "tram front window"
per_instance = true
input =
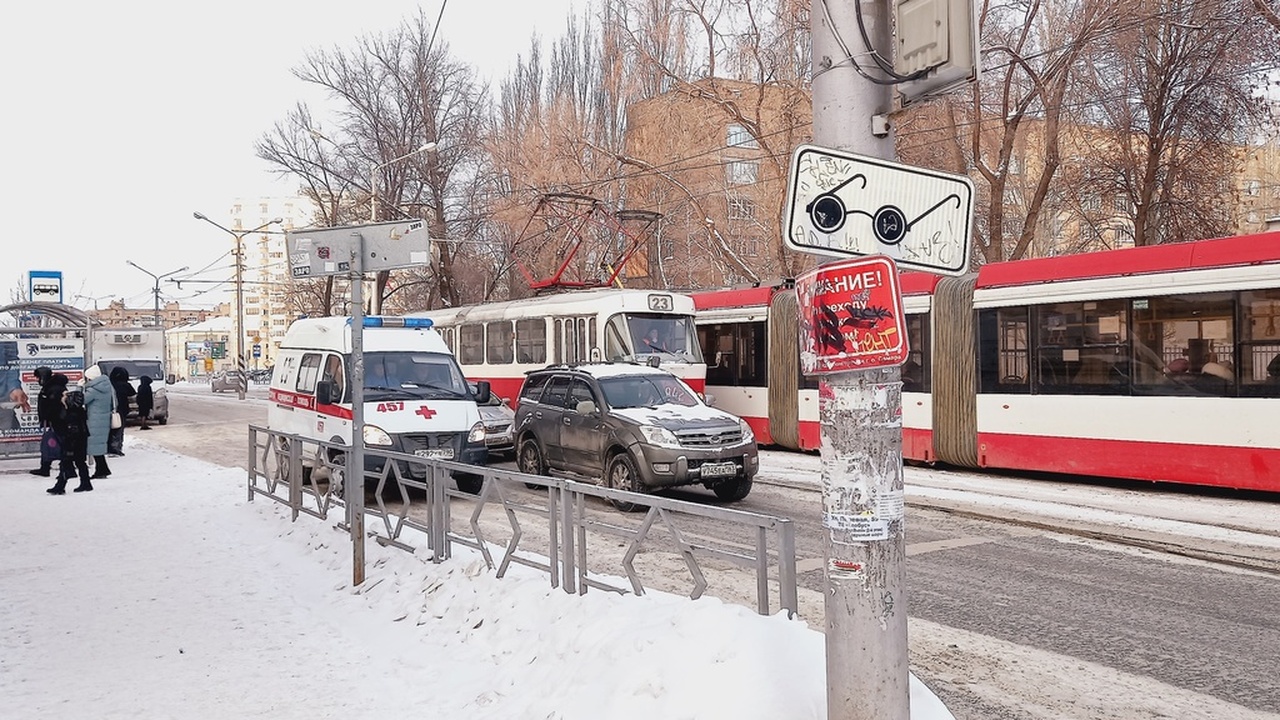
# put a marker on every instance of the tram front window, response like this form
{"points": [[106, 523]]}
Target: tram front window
{"points": [[671, 337]]}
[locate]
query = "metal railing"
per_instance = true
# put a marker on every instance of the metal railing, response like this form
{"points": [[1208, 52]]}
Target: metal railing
{"points": [[562, 527]]}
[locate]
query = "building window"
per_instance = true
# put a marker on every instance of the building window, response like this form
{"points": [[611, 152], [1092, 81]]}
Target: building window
{"points": [[742, 172], [1090, 203], [1252, 187], [739, 136], [741, 209]]}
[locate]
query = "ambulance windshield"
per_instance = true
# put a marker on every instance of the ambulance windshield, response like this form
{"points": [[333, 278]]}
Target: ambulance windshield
{"points": [[419, 374]]}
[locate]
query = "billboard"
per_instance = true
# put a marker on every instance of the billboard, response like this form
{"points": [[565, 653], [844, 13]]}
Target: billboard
{"points": [[19, 358]]}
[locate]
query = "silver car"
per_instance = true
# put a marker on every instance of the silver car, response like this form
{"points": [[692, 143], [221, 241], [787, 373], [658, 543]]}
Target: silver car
{"points": [[498, 419], [224, 381]]}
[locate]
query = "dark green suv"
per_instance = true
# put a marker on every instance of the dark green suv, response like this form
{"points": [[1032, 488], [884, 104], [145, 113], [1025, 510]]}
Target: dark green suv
{"points": [[637, 427]]}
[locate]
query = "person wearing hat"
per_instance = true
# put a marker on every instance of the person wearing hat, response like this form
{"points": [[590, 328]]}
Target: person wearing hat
{"points": [[48, 412], [99, 403]]}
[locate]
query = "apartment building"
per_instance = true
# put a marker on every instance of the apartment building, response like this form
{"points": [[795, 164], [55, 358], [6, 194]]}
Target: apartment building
{"points": [[266, 292], [171, 314]]}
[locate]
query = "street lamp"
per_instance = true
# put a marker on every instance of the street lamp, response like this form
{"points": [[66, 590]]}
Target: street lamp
{"points": [[155, 320], [373, 177], [242, 378]]}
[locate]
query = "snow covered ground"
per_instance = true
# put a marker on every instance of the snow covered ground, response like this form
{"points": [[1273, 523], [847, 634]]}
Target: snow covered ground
{"points": [[165, 593]]}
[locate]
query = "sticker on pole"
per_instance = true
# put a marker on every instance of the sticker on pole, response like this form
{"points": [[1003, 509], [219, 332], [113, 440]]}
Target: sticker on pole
{"points": [[851, 317]]}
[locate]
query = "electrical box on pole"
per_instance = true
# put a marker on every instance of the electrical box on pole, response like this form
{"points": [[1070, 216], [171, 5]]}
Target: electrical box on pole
{"points": [[937, 39]]}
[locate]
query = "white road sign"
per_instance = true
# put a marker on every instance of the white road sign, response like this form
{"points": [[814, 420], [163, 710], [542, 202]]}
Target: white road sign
{"points": [[327, 251], [843, 204]]}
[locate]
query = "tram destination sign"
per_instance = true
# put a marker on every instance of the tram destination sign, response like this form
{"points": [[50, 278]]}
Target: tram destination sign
{"points": [[843, 204], [851, 316], [316, 252]]}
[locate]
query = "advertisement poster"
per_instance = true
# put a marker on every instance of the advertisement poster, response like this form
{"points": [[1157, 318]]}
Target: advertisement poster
{"points": [[19, 426]]}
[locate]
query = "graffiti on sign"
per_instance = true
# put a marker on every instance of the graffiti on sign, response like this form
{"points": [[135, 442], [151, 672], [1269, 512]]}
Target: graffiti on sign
{"points": [[851, 316]]}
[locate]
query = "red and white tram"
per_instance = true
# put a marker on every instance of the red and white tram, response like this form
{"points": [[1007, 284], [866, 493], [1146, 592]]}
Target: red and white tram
{"points": [[1156, 363], [502, 341]]}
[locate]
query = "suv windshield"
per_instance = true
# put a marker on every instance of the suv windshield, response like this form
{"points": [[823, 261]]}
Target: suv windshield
{"points": [[421, 374], [632, 391]]}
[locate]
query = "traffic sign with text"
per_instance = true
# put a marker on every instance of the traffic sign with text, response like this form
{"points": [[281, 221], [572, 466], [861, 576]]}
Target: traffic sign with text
{"points": [[851, 316]]}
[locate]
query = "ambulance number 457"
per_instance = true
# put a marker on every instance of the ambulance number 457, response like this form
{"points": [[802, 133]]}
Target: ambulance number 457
{"points": [[392, 406]]}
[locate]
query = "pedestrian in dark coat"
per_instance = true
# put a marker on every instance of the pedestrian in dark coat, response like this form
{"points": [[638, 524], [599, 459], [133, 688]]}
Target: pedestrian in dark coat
{"points": [[73, 429], [146, 400], [48, 411], [99, 400], [124, 390]]}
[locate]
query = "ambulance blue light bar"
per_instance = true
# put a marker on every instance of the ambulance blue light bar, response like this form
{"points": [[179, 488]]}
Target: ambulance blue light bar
{"points": [[379, 321]]}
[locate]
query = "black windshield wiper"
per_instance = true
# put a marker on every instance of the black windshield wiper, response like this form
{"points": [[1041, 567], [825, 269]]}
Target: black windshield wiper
{"points": [[390, 390]]}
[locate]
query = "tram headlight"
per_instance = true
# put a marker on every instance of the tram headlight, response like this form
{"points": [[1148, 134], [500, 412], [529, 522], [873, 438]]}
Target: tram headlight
{"points": [[374, 435]]}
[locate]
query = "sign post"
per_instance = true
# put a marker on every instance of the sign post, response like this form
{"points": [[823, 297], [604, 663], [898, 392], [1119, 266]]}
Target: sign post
{"points": [[354, 250]]}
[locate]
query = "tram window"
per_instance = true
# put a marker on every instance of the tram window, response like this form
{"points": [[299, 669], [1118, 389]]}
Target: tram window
{"points": [[1185, 344], [1083, 347], [559, 341], [582, 353], [1260, 343], [737, 353], [570, 341], [1004, 355], [447, 335], [471, 344], [531, 340], [499, 349], [916, 375]]}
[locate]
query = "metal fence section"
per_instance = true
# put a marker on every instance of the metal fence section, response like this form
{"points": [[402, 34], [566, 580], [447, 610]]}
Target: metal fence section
{"points": [[567, 529]]}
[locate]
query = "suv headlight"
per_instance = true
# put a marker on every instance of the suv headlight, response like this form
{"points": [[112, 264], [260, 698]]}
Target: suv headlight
{"points": [[374, 435], [747, 435], [477, 433], [660, 436]]}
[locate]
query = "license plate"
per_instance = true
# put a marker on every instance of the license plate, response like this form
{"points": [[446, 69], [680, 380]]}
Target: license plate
{"points": [[435, 453], [727, 469]]}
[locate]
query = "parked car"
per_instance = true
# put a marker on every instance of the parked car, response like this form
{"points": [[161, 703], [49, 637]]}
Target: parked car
{"points": [[224, 381], [637, 427], [498, 419]]}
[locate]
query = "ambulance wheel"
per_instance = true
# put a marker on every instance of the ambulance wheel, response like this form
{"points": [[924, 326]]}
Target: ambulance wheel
{"points": [[469, 483]]}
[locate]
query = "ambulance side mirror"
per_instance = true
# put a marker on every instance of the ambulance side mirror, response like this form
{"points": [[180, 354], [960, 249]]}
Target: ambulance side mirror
{"points": [[483, 393], [324, 392]]}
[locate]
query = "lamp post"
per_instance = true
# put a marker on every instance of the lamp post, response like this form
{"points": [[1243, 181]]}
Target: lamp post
{"points": [[155, 320], [373, 177], [242, 379]]}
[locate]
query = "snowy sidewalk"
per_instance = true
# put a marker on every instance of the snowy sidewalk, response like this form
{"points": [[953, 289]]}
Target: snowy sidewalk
{"points": [[166, 594]]}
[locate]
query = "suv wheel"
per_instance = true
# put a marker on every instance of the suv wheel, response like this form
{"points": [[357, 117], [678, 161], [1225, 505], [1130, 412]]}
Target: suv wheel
{"points": [[732, 490], [620, 474], [529, 460]]}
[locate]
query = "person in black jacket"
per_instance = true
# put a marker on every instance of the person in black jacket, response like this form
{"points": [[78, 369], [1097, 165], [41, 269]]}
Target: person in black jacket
{"points": [[48, 410], [146, 400], [124, 390], [73, 434]]}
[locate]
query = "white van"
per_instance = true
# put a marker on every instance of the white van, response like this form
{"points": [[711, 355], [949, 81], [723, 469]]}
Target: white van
{"points": [[416, 398]]}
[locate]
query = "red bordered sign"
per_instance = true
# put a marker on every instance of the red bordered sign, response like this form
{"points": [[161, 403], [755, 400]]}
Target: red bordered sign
{"points": [[851, 316]]}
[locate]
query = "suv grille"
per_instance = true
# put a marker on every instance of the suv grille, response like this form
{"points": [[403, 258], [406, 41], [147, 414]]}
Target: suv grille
{"points": [[710, 437]]}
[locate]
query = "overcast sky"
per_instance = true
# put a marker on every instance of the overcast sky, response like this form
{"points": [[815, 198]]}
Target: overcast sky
{"points": [[122, 118]]}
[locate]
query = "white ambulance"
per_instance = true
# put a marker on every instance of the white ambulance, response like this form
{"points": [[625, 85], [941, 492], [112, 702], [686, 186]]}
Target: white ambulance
{"points": [[416, 399]]}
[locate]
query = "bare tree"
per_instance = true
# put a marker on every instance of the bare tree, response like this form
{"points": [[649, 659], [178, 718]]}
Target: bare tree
{"points": [[1178, 92], [395, 92]]}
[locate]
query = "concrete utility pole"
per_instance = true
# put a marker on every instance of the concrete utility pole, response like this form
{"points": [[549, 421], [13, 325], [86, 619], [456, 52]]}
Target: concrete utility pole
{"points": [[861, 414]]}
